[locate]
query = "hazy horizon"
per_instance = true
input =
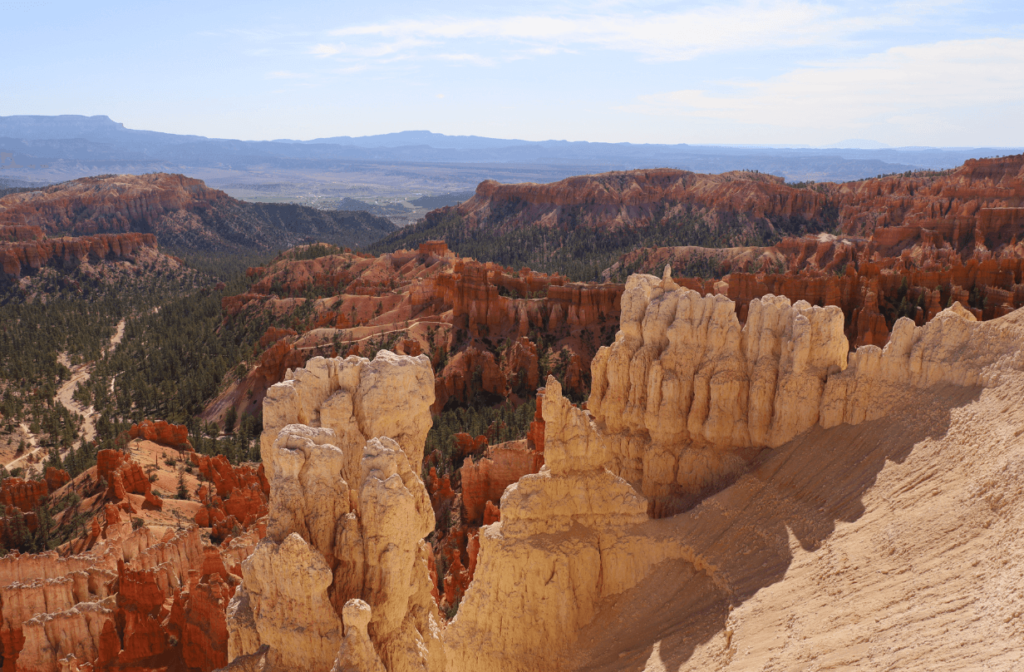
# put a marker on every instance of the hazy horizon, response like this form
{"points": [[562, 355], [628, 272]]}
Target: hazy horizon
{"points": [[773, 73]]}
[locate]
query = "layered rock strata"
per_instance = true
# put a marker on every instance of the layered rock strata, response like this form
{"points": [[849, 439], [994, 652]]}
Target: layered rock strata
{"points": [[963, 205], [54, 607], [70, 252]]}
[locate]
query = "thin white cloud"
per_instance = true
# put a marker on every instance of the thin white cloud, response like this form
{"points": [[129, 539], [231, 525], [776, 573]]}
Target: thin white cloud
{"points": [[475, 59], [324, 50], [285, 74], [911, 90], [670, 36], [368, 51]]}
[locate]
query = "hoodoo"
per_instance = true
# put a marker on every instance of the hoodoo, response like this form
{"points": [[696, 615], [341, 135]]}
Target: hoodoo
{"points": [[713, 465]]}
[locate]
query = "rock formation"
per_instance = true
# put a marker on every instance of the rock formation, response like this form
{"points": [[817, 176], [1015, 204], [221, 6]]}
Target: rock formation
{"points": [[17, 257], [484, 481], [339, 444], [162, 432], [22, 494], [239, 497], [179, 211], [787, 382], [686, 396], [457, 310], [683, 402], [123, 476], [54, 607], [969, 204]]}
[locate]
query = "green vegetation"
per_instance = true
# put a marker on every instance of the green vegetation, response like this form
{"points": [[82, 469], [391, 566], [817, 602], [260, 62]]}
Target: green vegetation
{"points": [[442, 200], [498, 423], [313, 251], [15, 532], [580, 251], [40, 339]]}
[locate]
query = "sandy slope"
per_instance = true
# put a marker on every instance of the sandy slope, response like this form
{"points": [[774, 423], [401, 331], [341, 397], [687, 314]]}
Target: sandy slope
{"points": [[896, 544]]}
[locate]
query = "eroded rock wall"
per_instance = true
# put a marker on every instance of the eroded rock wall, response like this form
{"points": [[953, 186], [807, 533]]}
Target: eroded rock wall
{"points": [[687, 396], [343, 444], [32, 255], [682, 403]]}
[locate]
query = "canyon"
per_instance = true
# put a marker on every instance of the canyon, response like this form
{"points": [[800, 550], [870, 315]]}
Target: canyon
{"points": [[786, 433], [480, 323], [796, 454]]}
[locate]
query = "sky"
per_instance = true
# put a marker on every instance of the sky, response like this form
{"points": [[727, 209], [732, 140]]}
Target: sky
{"points": [[932, 73]]}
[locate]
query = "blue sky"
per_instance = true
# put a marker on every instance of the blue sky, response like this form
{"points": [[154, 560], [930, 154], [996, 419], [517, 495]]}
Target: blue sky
{"points": [[940, 73]]}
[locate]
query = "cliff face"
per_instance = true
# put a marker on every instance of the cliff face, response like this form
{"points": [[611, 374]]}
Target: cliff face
{"points": [[638, 197], [981, 201], [181, 212], [109, 204], [915, 246], [68, 252], [686, 396]]}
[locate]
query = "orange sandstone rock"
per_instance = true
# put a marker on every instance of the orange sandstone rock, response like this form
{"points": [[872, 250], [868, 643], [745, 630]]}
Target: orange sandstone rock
{"points": [[160, 432]]}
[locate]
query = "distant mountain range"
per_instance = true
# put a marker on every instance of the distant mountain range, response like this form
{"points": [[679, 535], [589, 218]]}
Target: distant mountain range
{"points": [[48, 148]]}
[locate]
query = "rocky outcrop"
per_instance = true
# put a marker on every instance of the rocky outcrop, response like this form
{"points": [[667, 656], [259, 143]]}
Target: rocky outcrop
{"points": [[473, 306], [982, 202], [553, 555], [357, 651], [286, 585], [144, 588], [584, 531], [630, 198], [198, 619], [178, 210], [69, 252], [686, 396], [348, 507], [484, 480], [682, 402], [469, 373], [22, 494], [124, 476], [872, 286], [162, 432], [56, 478], [239, 497], [54, 607]]}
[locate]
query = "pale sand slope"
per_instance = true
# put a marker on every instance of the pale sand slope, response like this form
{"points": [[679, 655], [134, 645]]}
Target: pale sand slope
{"points": [[896, 544]]}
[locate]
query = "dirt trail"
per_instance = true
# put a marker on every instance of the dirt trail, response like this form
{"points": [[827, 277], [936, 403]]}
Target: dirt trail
{"points": [[65, 395], [80, 375]]}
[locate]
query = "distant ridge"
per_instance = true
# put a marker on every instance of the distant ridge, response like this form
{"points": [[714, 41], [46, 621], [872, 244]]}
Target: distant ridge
{"points": [[72, 146]]}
